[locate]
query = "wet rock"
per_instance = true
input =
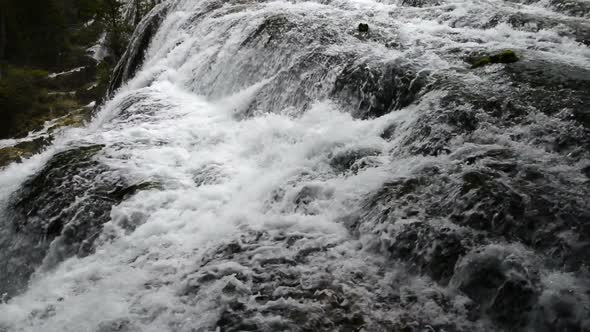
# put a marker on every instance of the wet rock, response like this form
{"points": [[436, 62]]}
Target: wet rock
{"points": [[75, 118], [42, 198], [308, 71], [507, 56], [542, 73], [539, 81], [363, 28], [487, 204], [533, 23], [117, 325], [209, 174], [500, 281], [134, 56], [122, 192], [514, 297], [315, 293], [23, 150], [375, 89], [420, 3], [389, 131], [71, 81], [464, 119], [496, 199], [305, 197], [431, 248], [575, 29], [272, 27], [577, 8], [345, 160], [559, 307], [10, 155], [57, 213]]}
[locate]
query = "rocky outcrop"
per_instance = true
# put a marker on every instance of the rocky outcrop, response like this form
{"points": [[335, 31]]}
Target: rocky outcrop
{"points": [[133, 57], [58, 213]]}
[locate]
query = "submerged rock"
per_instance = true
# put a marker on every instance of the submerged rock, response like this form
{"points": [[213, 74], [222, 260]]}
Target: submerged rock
{"points": [[58, 213], [346, 160], [420, 3], [507, 56], [500, 281], [374, 89], [432, 249], [291, 281]]}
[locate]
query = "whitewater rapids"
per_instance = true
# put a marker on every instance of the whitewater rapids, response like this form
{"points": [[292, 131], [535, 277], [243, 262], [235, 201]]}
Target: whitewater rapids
{"points": [[269, 160]]}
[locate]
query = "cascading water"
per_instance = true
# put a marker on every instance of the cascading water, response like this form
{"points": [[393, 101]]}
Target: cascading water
{"points": [[266, 166]]}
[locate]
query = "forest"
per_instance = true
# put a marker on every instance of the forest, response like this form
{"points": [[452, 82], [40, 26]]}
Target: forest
{"points": [[38, 37]]}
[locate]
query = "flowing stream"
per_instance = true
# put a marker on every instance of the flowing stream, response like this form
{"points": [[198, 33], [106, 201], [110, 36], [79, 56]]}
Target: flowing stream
{"points": [[266, 166]]}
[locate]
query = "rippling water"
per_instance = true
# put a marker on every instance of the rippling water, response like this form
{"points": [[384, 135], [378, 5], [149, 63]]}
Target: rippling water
{"points": [[268, 167]]}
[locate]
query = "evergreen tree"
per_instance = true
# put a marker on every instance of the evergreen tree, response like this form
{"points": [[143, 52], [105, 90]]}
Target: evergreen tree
{"points": [[117, 29]]}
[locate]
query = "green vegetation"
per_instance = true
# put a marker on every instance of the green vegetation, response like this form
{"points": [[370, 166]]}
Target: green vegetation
{"points": [[22, 150], [507, 56], [42, 36], [20, 89]]}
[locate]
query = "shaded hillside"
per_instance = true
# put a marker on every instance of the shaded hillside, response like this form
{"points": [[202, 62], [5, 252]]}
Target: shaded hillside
{"points": [[56, 59]]}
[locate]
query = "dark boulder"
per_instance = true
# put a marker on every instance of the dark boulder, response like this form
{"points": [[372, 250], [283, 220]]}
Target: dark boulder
{"points": [[134, 56], [363, 27], [58, 213], [353, 159], [430, 248], [373, 89], [501, 281], [507, 56]]}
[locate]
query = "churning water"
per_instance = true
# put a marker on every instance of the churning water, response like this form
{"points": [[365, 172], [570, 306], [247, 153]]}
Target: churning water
{"points": [[265, 166]]}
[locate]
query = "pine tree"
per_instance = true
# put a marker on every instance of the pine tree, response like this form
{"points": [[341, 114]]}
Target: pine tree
{"points": [[117, 29]]}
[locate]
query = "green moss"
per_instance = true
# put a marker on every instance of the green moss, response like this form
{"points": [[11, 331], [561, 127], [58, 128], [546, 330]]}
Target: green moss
{"points": [[20, 88], [26, 115], [76, 118], [9, 155], [507, 56], [87, 35], [486, 60], [22, 150]]}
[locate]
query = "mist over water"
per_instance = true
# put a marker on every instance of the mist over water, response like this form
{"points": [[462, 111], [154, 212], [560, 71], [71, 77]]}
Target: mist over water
{"points": [[268, 167]]}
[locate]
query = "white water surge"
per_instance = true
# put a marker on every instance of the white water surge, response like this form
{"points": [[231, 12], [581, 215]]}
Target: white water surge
{"points": [[234, 134]]}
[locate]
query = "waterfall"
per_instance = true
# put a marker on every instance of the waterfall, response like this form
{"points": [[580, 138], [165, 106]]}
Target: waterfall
{"points": [[274, 166]]}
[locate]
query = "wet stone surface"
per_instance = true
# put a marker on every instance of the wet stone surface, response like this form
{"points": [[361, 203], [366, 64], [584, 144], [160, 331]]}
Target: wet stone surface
{"points": [[58, 213], [333, 177]]}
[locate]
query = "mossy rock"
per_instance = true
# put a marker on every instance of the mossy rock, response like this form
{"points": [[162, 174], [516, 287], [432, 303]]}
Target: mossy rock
{"points": [[22, 150], [47, 108], [27, 102], [72, 79], [76, 118], [10, 155], [507, 56]]}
